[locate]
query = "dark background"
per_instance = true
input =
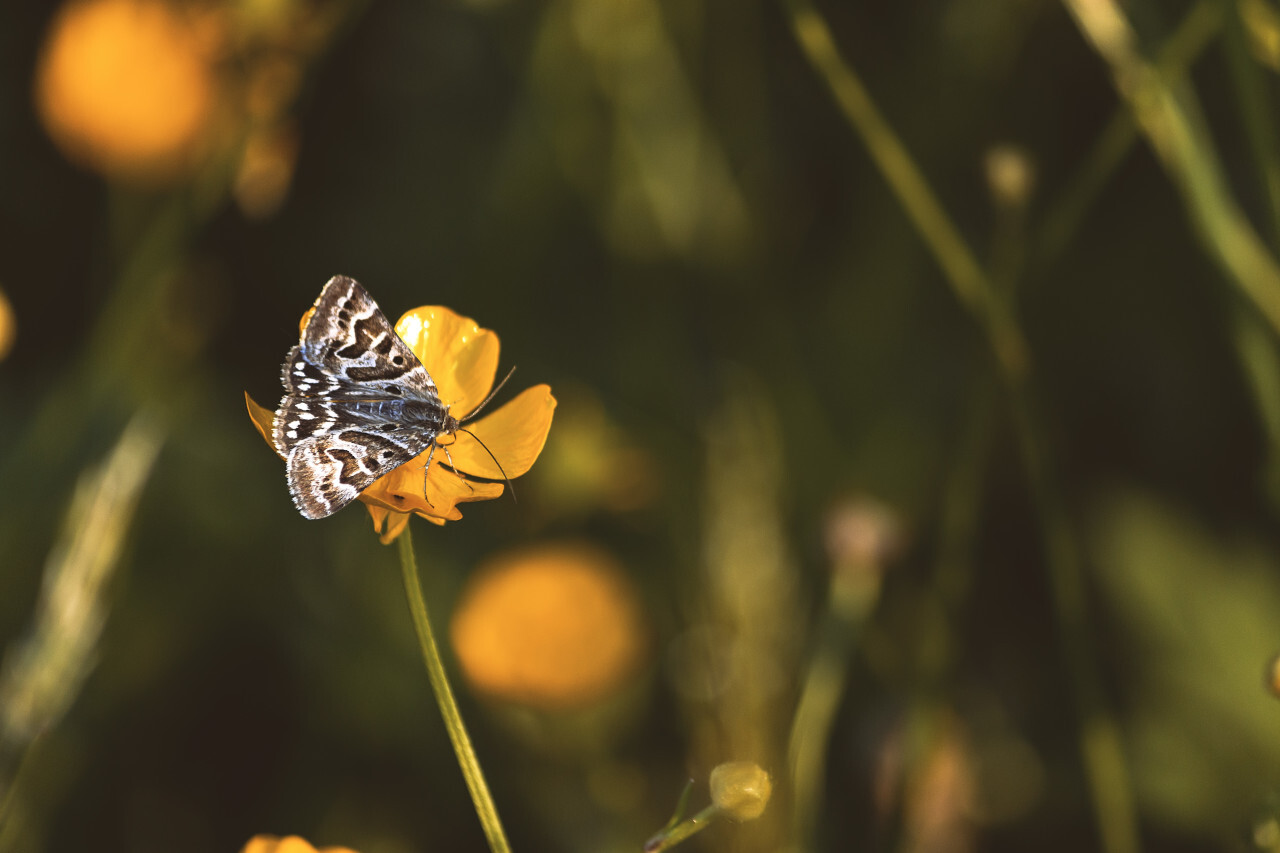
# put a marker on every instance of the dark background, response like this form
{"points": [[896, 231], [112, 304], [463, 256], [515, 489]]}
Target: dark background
{"points": [[664, 214]]}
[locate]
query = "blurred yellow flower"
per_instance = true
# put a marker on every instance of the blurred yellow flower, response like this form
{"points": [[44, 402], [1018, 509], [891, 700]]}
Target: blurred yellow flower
{"points": [[462, 358], [556, 627], [8, 326], [128, 87], [289, 844]]}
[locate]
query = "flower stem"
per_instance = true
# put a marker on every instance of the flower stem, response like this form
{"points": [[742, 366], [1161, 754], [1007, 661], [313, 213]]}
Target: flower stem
{"points": [[673, 835], [471, 771], [971, 285], [1173, 122], [852, 595]]}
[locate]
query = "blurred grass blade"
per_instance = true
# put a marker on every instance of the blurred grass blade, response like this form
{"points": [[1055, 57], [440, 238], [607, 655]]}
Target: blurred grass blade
{"points": [[1100, 743], [1170, 119], [42, 675], [1253, 95], [1254, 346], [860, 534], [1197, 30], [749, 603], [970, 283]]}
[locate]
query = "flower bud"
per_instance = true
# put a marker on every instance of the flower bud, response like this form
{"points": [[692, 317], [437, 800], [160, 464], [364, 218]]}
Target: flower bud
{"points": [[741, 789], [1011, 175]]}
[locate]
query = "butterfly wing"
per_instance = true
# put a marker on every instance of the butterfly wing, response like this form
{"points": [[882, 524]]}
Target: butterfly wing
{"points": [[349, 357], [330, 469], [349, 350]]}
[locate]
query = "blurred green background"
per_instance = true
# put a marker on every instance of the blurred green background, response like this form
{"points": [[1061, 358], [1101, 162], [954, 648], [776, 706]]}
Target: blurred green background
{"points": [[934, 430]]}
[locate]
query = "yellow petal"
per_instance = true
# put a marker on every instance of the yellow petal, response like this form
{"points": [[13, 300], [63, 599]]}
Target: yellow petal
{"points": [[403, 490], [461, 357], [389, 525], [263, 419], [514, 435]]}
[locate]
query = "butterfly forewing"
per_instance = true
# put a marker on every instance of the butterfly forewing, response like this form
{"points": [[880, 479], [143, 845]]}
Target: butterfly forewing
{"points": [[357, 402], [350, 350]]}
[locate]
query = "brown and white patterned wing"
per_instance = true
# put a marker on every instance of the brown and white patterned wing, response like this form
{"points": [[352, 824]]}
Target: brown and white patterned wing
{"points": [[349, 350], [327, 472], [337, 425]]}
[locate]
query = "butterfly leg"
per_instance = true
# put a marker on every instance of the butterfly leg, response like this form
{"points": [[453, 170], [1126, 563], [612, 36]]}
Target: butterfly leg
{"points": [[425, 469], [449, 456]]}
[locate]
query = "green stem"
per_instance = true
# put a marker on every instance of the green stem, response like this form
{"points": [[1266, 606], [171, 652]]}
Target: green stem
{"points": [[10, 818], [1197, 31], [471, 771], [963, 273], [1239, 249], [1099, 737], [1170, 118], [1252, 90], [852, 594], [672, 836]]}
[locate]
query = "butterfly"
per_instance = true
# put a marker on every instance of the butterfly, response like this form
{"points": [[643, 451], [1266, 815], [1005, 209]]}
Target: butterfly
{"points": [[357, 403]]}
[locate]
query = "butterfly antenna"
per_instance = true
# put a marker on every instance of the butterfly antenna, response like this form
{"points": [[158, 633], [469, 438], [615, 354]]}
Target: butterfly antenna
{"points": [[472, 414], [491, 456]]}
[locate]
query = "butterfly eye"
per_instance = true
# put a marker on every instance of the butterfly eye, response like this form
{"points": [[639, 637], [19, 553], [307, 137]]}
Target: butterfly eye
{"points": [[398, 360]]}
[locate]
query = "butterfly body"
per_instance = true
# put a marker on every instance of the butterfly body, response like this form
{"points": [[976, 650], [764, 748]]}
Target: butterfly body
{"points": [[357, 402]]}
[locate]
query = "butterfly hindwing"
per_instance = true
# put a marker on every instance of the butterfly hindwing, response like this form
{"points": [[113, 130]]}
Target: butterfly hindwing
{"points": [[327, 472]]}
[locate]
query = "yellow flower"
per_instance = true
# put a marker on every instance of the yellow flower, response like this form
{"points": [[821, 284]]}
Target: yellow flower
{"points": [[557, 626], [128, 87], [462, 358], [290, 844]]}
